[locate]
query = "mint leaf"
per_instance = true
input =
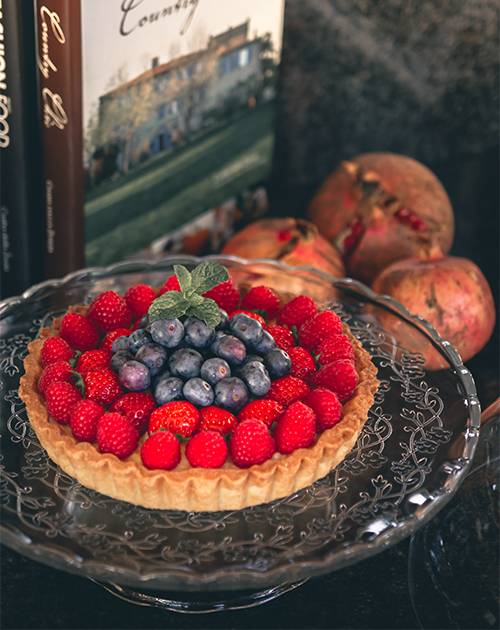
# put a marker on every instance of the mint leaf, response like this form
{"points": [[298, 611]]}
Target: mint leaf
{"points": [[208, 311], [208, 275], [184, 277], [168, 306]]}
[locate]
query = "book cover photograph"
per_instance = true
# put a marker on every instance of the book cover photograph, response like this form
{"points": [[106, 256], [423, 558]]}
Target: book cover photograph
{"points": [[177, 117]]}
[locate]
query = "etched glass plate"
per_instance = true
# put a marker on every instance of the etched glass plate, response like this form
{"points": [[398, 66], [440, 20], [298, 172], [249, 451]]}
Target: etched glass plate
{"points": [[409, 460]]}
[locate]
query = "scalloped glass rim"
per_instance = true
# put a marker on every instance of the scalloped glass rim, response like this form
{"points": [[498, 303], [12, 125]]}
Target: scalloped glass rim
{"points": [[225, 578]]}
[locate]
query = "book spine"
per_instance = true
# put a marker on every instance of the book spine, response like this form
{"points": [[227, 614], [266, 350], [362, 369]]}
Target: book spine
{"points": [[21, 212], [59, 60]]}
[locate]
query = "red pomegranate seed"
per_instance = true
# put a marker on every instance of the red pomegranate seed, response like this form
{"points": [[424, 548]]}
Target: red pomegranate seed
{"points": [[406, 216], [357, 229]]}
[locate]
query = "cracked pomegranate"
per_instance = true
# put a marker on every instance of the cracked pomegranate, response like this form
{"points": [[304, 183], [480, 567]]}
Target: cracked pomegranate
{"points": [[376, 207]]}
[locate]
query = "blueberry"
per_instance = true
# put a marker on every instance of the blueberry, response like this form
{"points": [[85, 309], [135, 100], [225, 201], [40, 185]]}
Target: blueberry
{"points": [[266, 343], [256, 378], [229, 348], [198, 392], [134, 376], [160, 376], [168, 388], [214, 369], [197, 333], [118, 359], [231, 394], [137, 339], [247, 329], [278, 363], [167, 332], [186, 363], [153, 356], [144, 322], [120, 344], [224, 320]]}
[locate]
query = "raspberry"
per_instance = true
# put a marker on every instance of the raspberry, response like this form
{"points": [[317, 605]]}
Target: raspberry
{"points": [[266, 410], [296, 429], [61, 399], [287, 390], [283, 336], [109, 310], [56, 349], [303, 364], [297, 312], [107, 342], [116, 435], [172, 284], [161, 450], [340, 377], [84, 419], [102, 386], [60, 371], [251, 443], [139, 298], [334, 348], [178, 416], [214, 418], [79, 332], [207, 450], [137, 407], [92, 360], [255, 316], [326, 405], [261, 298], [314, 331], [226, 295]]}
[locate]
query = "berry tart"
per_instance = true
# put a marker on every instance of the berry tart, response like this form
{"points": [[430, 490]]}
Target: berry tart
{"points": [[202, 395]]}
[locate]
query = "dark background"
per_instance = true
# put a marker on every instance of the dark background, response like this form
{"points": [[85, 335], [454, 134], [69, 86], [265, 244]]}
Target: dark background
{"points": [[418, 78]]}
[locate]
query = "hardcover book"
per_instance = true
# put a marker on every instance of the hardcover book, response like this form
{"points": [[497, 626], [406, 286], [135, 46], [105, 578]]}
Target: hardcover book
{"points": [[158, 119]]}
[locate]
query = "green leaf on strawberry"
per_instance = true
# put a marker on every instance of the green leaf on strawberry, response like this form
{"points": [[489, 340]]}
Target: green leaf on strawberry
{"points": [[189, 300]]}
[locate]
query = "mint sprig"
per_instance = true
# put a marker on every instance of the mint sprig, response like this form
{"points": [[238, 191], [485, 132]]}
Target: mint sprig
{"points": [[189, 300]]}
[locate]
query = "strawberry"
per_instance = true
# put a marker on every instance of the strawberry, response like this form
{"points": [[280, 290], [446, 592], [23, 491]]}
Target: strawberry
{"points": [[297, 311], [334, 348], [267, 411], [107, 342], [296, 429], [137, 407], [314, 331], [109, 310], [251, 443], [226, 295], [139, 298], [255, 316], [161, 450], [60, 371], [61, 399], [214, 418], [340, 377], [326, 405], [261, 298], [207, 449], [287, 390], [92, 360], [303, 364], [178, 416], [84, 419], [102, 386], [283, 336], [79, 332], [116, 435], [56, 349], [172, 284]]}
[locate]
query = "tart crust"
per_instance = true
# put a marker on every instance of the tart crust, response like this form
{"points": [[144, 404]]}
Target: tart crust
{"points": [[196, 489]]}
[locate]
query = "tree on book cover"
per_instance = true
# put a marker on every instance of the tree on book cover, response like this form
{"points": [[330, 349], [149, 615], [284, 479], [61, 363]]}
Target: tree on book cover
{"points": [[21, 249], [177, 115]]}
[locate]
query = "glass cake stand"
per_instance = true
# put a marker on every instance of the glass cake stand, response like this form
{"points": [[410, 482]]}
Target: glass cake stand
{"points": [[410, 459]]}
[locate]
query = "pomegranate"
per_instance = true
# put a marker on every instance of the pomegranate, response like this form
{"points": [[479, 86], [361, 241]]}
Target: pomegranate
{"points": [[449, 292], [295, 242], [376, 208]]}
